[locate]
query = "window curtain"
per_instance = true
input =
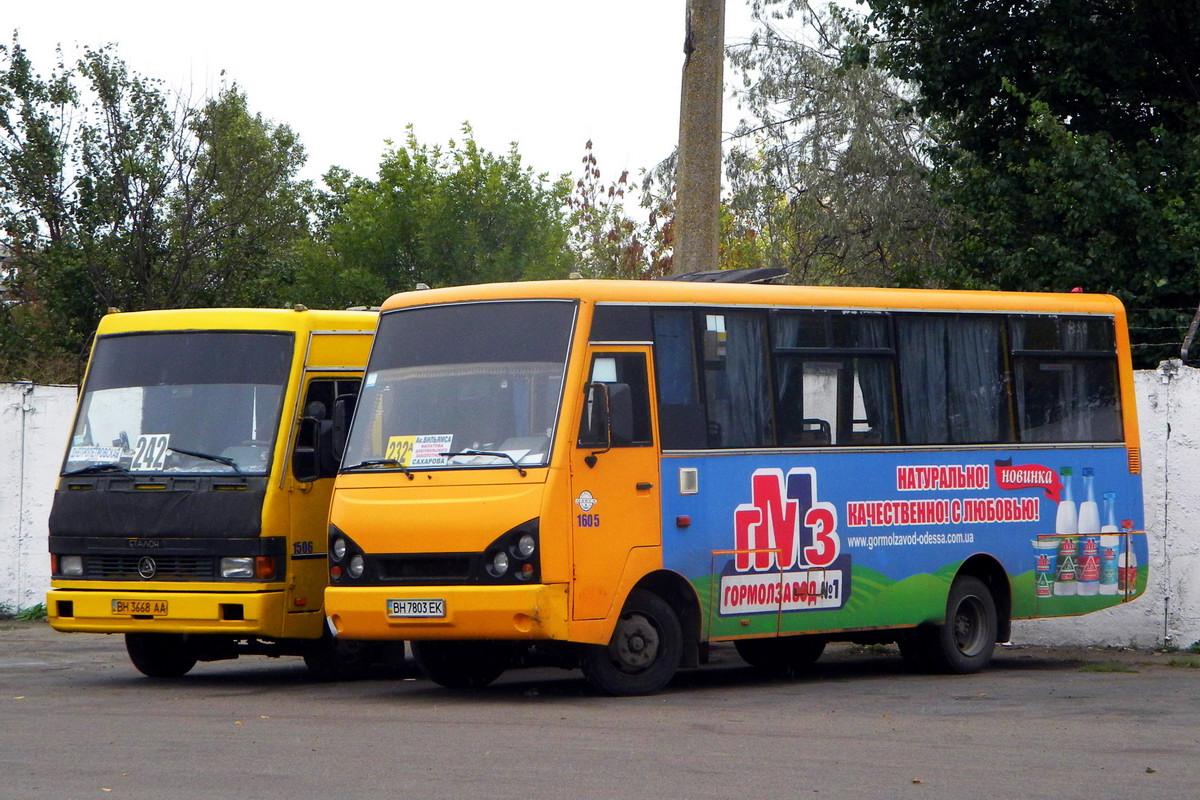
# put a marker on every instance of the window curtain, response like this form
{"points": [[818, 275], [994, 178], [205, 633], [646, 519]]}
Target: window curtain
{"points": [[953, 390], [747, 406]]}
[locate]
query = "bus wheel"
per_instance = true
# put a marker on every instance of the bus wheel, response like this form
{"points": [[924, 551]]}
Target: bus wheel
{"points": [[965, 643], [160, 655], [461, 665], [644, 652], [786, 655], [330, 659]]}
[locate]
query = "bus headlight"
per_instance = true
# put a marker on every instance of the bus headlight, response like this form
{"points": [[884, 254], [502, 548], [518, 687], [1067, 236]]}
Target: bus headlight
{"points": [[237, 567], [498, 566], [346, 559], [512, 557], [70, 566], [526, 545]]}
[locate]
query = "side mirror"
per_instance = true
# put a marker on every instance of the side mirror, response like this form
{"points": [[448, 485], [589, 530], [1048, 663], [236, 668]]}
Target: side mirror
{"points": [[594, 426], [607, 416], [306, 456], [343, 413]]}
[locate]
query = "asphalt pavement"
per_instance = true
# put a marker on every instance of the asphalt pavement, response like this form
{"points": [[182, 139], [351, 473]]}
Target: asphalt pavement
{"points": [[77, 721]]}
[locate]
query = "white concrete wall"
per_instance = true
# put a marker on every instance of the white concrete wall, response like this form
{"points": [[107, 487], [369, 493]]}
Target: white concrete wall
{"points": [[1169, 612], [36, 421], [34, 424]]}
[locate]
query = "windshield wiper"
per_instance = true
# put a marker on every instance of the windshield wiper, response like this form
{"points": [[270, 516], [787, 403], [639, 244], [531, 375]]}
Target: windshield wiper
{"points": [[226, 460], [380, 462], [492, 453], [105, 467]]}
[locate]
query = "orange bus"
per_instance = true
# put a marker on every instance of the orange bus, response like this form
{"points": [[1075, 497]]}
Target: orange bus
{"points": [[615, 475]]}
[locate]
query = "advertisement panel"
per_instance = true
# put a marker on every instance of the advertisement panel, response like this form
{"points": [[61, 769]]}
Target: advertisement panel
{"points": [[828, 541]]}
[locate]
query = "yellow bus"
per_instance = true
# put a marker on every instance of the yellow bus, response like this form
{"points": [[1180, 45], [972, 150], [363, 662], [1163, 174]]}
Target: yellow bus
{"points": [[191, 510], [615, 475]]}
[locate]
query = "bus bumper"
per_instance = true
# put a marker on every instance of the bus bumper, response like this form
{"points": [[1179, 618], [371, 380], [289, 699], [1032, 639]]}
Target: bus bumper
{"points": [[112, 611], [467, 612]]}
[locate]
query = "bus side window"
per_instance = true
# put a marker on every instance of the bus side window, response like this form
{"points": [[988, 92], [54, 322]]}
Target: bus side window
{"points": [[623, 370], [1065, 371], [682, 418], [736, 380], [834, 379], [314, 454], [954, 389]]}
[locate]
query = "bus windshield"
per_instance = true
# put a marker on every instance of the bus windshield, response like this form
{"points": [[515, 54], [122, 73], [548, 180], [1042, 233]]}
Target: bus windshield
{"points": [[187, 401], [470, 385]]}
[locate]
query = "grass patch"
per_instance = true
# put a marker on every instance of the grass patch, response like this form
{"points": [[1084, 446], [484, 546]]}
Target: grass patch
{"points": [[874, 649], [1107, 667], [33, 613], [1186, 662]]}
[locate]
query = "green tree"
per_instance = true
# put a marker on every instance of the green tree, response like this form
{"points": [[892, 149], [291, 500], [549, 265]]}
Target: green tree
{"points": [[440, 217], [1070, 146], [828, 171], [115, 193], [36, 204]]}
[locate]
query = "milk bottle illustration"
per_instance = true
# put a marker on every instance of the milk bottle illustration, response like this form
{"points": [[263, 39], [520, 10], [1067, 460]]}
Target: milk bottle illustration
{"points": [[1110, 546], [1088, 565], [1046, 565], [1066, 525], [1127, 564]]}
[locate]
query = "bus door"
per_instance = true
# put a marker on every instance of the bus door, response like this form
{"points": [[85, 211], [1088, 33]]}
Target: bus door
{"points": [[313, 465], [614, 476]]}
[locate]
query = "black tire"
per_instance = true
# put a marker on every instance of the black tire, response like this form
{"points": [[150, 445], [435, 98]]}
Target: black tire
{"points": [[462, 665], [914, 649], [160, 655], [964, 644], [330, 659], [785, 655], [644, 652]]}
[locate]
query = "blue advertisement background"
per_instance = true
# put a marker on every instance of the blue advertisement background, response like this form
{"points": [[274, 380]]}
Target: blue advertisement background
{"points": [[883, 550]]}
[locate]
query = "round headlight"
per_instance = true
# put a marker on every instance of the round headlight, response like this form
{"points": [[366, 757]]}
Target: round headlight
{"points": [[355, 568], [498, 565], [338, 551], [526, 545]]}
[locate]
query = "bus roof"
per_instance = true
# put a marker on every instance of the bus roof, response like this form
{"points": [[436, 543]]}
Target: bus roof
{"points": [[719, 294], [268, 319]]}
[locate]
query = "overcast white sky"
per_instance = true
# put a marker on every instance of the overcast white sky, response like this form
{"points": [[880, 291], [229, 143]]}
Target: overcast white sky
{"points": [[547, 74]]}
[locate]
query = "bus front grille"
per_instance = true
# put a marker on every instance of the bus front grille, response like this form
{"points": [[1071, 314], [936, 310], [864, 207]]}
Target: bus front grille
{"points": [[166, 568], [451, 568]]}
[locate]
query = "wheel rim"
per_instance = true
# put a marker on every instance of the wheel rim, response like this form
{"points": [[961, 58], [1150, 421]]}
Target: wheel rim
{"points": [[635, 646], [969, 626]]}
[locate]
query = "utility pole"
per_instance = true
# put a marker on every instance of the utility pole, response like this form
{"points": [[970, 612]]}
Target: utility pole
{"points": [[698, 171]]}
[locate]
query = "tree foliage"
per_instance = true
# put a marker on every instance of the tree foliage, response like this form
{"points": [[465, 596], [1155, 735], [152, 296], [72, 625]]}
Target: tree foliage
{"points": [[607, 239], [1071, 146], [828, 170], [438, 216], [116, 193]]}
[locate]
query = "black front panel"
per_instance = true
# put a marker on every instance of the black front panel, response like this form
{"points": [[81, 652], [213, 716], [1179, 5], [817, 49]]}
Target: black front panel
{"points": [[115, 558], [160, 508]]}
